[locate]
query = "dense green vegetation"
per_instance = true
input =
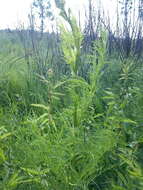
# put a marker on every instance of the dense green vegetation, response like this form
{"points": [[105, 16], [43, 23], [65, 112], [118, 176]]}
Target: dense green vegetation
{"points": [[69, 120]]}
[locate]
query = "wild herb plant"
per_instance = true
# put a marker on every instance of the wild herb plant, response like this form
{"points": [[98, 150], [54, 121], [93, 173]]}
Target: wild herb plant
{"points": [[82, 132]]}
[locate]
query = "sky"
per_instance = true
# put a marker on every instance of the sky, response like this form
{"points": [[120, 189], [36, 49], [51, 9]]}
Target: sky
{"points": [[14, 12]]}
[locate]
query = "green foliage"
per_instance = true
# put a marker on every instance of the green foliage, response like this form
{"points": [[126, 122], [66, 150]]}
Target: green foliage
{"points": [[70, 132]]}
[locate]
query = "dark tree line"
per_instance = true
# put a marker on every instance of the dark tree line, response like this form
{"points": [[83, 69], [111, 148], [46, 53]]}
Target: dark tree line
{"points": [[124, 40]]}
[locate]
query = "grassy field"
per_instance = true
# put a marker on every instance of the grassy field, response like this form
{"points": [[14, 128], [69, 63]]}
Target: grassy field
{"points": [[69, 120]]}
